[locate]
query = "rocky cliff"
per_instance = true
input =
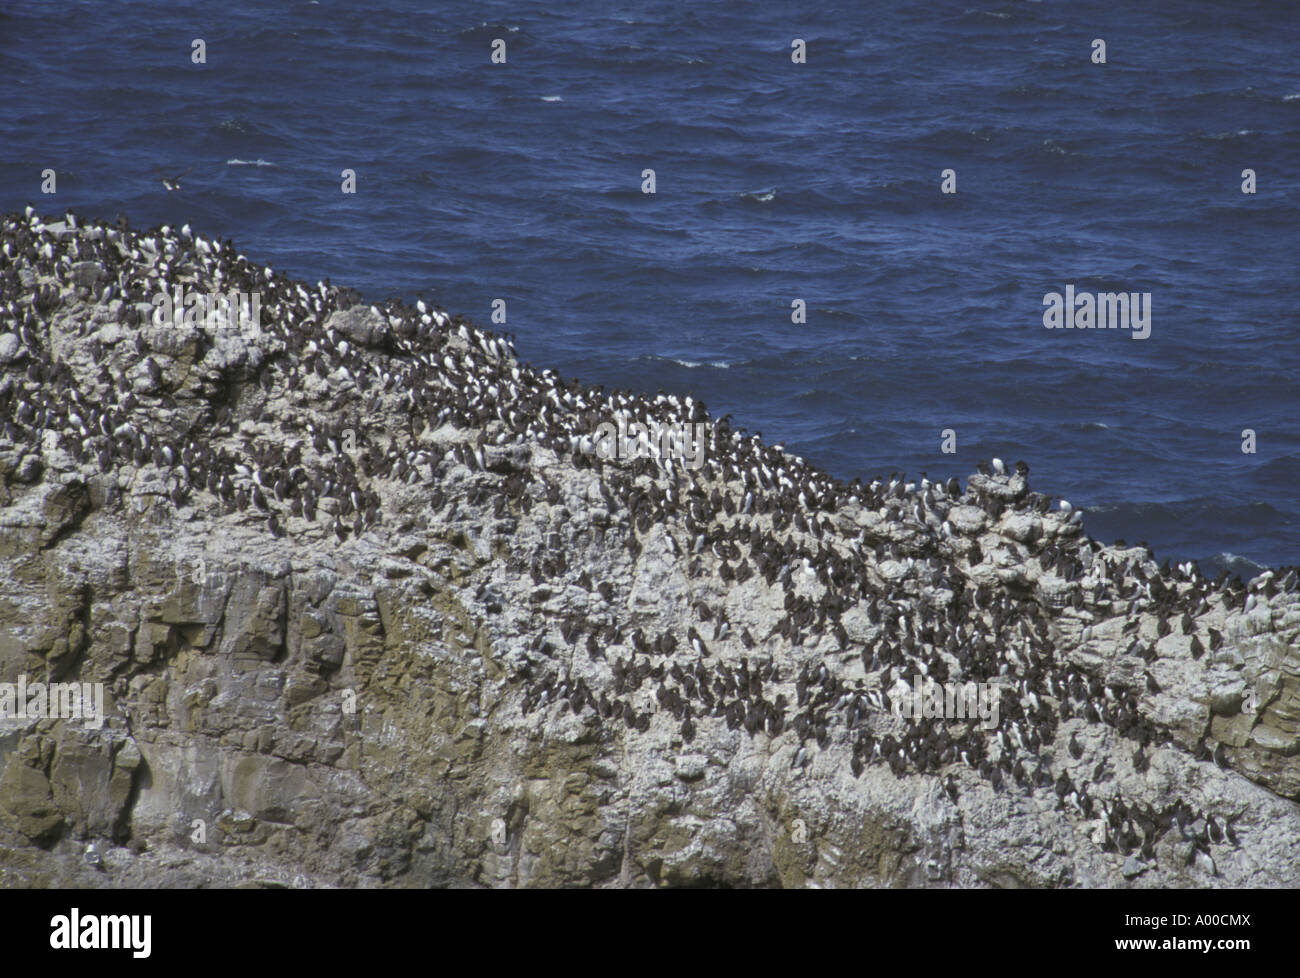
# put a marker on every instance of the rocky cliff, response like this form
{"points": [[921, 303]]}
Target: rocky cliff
{"points": [[370, 602]]}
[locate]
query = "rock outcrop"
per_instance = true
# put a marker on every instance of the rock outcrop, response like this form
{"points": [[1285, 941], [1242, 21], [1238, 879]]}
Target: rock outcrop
{"points": [[369, 605]]}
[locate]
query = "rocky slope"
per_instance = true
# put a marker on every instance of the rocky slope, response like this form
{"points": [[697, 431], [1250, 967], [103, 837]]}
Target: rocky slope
{"points": [[370, 607]]}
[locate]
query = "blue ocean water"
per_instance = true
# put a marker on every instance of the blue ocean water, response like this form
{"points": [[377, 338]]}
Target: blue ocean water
{"points": [[775, 181]]}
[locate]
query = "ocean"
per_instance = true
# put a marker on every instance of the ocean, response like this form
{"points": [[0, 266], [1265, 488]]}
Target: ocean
{"points": [[778, 186]]}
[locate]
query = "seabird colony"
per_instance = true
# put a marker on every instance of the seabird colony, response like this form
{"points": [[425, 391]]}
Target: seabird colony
{"points": [[881, 581]]}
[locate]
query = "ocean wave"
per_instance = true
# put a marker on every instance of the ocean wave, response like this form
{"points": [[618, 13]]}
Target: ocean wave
{"points": [[693, 364], [484, 26], [917, 301], [1032, 90], [1243, 567]]}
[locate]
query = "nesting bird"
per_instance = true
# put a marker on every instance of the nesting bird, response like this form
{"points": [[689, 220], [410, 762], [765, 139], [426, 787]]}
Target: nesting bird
{"points": [[875, 580]]}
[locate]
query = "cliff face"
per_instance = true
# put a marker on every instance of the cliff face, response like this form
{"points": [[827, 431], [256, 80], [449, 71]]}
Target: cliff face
{"points": [[367, 611]]}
